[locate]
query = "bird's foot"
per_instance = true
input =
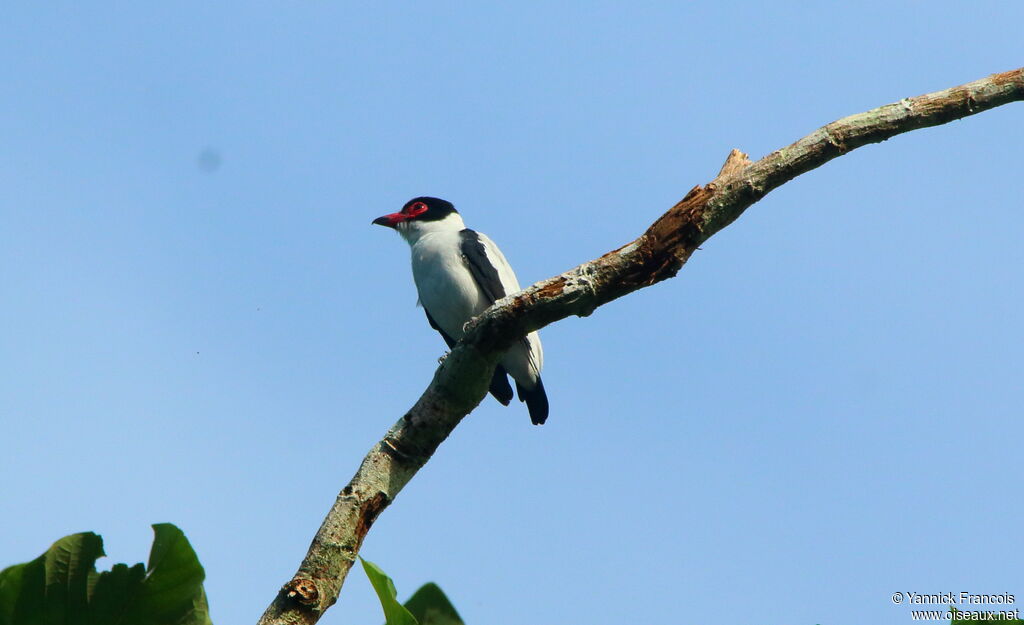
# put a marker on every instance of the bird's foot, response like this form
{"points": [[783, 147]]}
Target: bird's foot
{"points": [[442, 358]]}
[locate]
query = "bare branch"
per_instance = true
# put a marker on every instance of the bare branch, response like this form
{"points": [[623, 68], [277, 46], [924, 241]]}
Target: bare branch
{"points": [[460, 383]]}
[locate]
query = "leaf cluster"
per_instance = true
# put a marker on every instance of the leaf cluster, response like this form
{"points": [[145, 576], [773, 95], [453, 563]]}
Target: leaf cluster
{"points": [[62, 585]]}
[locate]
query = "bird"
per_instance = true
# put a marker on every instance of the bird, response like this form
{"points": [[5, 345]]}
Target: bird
{"points": [[458, 274]]}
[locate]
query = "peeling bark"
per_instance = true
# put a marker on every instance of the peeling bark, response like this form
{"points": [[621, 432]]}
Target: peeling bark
{"points": [[461, 381]]}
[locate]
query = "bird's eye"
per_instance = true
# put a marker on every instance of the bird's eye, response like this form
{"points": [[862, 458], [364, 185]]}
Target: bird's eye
{"points": [[416, 209]]}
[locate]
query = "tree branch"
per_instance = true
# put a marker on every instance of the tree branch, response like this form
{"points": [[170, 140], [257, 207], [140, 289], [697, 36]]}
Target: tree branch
{"points": [[460, 383]]}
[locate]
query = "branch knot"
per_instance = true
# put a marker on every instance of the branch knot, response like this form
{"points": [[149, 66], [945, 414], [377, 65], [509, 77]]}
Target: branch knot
{"points": [[302, 591]]}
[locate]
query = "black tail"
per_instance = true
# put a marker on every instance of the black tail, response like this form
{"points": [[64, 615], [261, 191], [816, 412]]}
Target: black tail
{"points": [[536, 400], [500, 387]]}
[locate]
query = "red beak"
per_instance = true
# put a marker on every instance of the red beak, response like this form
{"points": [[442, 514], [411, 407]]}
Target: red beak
{"points": [[391, 220]]}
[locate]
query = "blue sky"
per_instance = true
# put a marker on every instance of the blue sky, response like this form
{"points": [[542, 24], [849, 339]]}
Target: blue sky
{"points": [[822, 409]]}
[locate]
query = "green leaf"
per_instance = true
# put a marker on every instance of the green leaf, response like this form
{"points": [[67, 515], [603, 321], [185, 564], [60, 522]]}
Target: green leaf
{"points": [[62, 585], [394, 612], [430, 606]]}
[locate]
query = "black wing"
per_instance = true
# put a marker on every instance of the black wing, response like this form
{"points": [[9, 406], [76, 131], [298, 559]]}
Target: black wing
{"points": [[447, 339], [480, 266], [487, 279]]}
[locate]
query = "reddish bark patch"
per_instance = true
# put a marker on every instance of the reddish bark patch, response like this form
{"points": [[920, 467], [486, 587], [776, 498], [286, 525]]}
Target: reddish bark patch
{"points": [[369, 512], [552, 289], [1010, 77], [673, 237]]}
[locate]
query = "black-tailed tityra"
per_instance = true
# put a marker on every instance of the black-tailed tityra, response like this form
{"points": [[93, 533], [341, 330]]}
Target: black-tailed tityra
{"points": [[458, 274]]}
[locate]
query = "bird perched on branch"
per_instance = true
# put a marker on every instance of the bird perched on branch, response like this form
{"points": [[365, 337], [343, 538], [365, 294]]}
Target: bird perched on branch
{"points": [[459, 273]]}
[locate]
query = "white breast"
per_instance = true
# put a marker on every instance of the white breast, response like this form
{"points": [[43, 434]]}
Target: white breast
{"points": [[446, 287]]}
